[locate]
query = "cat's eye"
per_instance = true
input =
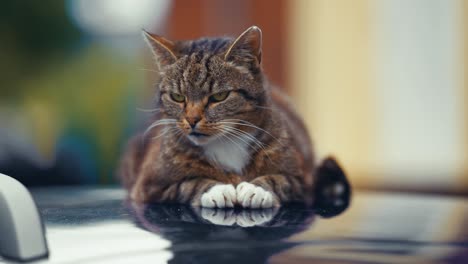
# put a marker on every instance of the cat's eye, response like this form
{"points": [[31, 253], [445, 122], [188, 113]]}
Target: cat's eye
{"points": [[177, 97], [219, 96]]}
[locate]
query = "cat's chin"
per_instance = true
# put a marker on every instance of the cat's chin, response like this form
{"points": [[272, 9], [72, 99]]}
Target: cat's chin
{"points": [[200, 140]]}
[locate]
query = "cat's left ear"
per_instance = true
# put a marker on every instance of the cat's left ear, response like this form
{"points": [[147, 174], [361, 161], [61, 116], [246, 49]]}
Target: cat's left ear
{"points": [[247, 48], [163, 49]]}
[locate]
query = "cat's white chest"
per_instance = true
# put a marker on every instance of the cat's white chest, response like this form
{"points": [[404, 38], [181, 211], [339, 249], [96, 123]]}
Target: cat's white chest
{"points": [[232, 154]]}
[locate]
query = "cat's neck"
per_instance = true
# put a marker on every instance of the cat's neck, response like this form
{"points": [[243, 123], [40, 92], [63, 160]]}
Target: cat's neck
{"points": [[231, 154]]}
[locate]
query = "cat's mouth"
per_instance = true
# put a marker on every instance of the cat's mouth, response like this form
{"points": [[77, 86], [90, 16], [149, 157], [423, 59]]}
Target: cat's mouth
{"points": [[199, 138], [198, 135]]}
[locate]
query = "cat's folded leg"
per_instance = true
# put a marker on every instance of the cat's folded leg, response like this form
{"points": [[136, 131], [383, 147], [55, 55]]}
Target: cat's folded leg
{"points": [[198, 191], [204, 192]]}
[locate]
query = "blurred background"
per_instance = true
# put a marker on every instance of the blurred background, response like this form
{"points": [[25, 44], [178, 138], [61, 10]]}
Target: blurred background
{"points": [[381, 84]]}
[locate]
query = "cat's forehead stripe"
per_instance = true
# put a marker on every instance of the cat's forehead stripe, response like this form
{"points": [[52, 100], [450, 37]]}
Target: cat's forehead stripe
{"points": [[204, 74], [196, 79]]}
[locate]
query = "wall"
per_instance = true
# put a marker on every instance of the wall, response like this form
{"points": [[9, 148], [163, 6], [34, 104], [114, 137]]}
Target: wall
{"points": [[381, 86]]}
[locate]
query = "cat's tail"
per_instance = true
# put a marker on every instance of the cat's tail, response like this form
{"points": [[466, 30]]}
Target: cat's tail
{"points": [[332, 188]]}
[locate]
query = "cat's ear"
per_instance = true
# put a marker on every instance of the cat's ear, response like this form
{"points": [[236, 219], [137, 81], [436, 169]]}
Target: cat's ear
{"points": [[163, 49], [247, 48]]}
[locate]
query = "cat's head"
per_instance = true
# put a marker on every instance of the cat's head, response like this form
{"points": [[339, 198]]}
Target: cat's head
{"points": [[211, 87]]}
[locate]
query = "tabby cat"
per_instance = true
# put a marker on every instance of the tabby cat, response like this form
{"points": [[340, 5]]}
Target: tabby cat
{"points": [[221, 135]]}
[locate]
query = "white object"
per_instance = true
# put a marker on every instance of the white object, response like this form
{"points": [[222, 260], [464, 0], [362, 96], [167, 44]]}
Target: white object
{"points": [[21, 231], [119, 17], [220, 196]]}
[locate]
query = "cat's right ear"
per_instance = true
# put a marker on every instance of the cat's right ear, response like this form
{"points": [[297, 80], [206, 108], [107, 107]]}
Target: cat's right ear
{"points": [[163, 49], [247, 48]]}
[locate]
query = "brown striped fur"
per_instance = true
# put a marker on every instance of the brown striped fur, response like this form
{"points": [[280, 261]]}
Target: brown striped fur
{"points": [[164, 165]]}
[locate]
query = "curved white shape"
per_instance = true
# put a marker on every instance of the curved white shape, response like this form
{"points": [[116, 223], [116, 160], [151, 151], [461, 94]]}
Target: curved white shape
{"points": [[21, 231]]}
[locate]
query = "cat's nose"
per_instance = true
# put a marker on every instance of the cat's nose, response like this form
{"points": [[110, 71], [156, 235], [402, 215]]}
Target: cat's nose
{"points": [[193, 121]]}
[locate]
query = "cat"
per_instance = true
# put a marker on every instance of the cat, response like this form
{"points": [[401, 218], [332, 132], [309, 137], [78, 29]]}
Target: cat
{"points": [[222, 135]]}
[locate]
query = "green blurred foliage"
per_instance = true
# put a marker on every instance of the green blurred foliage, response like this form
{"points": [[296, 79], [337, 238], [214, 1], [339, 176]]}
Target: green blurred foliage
{"points": [[31, 34], [73, 91]]}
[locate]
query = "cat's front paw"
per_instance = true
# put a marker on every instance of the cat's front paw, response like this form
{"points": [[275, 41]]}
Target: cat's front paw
{"points": [[219, 196], [253, 196]]}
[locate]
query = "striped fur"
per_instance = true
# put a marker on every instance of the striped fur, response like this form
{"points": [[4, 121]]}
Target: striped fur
{"points": [[165, 165]]}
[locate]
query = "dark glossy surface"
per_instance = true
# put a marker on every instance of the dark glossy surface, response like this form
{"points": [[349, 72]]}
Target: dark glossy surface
{"points": [[96, 225]]}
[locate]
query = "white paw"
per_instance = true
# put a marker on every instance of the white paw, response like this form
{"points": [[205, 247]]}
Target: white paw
{"points": [[252, 196], [219, 216], [219, 196]]}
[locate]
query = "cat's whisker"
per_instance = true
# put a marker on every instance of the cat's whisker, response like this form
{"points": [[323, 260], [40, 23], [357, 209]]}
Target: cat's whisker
{"points": [[159, 123], [250, 137], [225, 133], [248, 124], [231, 133], [242, 132], [239, 137], [164, 121], [244, 123], [154, 125], [179, 134], [175, 131], [256, 141], [149, 70], [264, 107], [154, 110], [165, 132]]}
